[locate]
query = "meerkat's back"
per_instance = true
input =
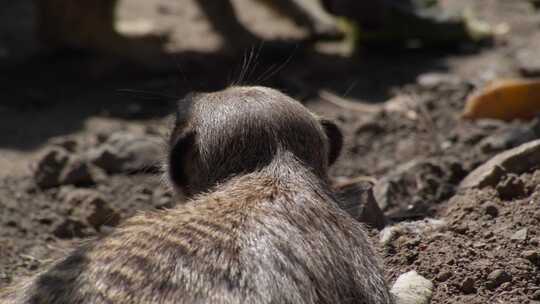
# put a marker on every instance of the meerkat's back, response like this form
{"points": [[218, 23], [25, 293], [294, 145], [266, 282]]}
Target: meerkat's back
{"points": [[261, 226]]}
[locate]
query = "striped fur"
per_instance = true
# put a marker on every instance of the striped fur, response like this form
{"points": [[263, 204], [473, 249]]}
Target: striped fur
{"points": [[261, 225]]}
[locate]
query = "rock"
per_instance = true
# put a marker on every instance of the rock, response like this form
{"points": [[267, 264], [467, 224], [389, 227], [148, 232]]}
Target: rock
{"points": [[107, 158], [100, 214], [536, 295], [57, 167], [536, 215], [497, 278], [91, 208], [516, 160], [125, 152], [385, 193], [49, 167], [163, 199], [461, 228], [508, 138], [467, 286], [372, 125], [413, 183], [511, 187], [491, 209], [358, 200], [444, 276], [479, 245], [412, 288], [491, 125], [389, 234], [387, 190], [532, 255], [104, 230], [5, 278], [67, 142], [433, 80], [528, 62], [76, 172], [102, 137], [70, 228], [520, 235]]}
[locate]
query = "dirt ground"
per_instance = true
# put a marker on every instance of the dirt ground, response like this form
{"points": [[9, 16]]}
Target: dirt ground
{"points": [[487, 251]]}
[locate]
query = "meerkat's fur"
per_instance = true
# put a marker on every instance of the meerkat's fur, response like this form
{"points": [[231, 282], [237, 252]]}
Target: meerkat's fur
{"points": [[261, 225]]}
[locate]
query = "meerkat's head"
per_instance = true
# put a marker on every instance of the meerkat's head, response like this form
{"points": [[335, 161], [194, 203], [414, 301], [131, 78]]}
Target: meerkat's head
{"points": [[244, 129]]}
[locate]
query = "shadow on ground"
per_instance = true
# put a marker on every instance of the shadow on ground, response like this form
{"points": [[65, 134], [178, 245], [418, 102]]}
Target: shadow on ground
{"points": [[53, 95]]}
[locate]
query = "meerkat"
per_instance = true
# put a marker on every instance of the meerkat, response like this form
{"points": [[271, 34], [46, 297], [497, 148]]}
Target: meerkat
{"points": [[261, 224]]}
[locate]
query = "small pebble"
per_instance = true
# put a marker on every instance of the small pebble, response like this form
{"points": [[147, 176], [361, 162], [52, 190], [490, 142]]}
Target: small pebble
{"points": [[511, 187], [479, 245], [536, 295], [433, 80], [125, 152], [68, 143], [412, 288], [520, 235], [497, 278], [69, 229], [76, 172], [491, 209], [444, 276], [467, 286], [49, 167], [461, 229], [90, 208], [531, 255]]}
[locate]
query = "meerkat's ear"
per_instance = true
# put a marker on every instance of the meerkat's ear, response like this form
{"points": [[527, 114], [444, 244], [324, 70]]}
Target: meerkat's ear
{"points": [[335, 139], [181, 153]]}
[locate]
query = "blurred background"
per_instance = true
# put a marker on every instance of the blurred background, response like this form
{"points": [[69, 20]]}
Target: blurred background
{"points": [[87, 88], [70, 58]]}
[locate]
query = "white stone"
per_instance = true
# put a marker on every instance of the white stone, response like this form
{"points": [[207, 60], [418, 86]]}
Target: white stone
{"points": [[412, 288]]}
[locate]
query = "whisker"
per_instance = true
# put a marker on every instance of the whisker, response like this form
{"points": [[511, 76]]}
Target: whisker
{"points": [[242, 69], [350, 88], [255, 60], [271, 73]]}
